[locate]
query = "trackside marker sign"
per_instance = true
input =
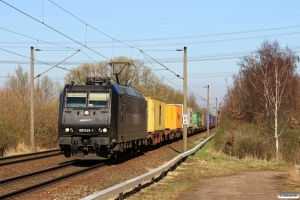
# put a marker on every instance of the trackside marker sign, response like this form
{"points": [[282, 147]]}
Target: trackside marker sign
{"points": [[184, 119]]}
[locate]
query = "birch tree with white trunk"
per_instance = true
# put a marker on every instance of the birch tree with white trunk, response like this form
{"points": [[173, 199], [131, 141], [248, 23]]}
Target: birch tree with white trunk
{"points": [[265, 76]]}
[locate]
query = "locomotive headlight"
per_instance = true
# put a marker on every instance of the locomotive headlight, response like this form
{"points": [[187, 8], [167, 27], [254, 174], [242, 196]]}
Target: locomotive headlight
{"points": [[86, 112], [104, 130], [67, 130], [71, 130], [100, 130]]}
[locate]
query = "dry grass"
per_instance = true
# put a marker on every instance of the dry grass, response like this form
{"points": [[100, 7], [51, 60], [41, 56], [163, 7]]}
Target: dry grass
{"points": [[22, 148], [292, 180], [206, 163]]}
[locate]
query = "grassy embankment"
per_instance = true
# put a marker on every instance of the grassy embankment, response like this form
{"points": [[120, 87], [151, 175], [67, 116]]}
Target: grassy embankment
{"points": [[207, 163]]}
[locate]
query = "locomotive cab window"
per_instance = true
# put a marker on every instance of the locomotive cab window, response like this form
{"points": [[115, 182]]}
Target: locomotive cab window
{"points": [[76, 99], [98, 99]]}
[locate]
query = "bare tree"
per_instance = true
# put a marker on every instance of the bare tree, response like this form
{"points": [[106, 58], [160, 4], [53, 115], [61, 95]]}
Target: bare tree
{"points": [[46, 90], [261, 86], [15, 112], [19, 82]]}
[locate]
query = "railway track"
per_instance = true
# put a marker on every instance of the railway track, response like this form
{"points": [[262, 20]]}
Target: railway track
{"points": [[27, 157], [17, 185]]}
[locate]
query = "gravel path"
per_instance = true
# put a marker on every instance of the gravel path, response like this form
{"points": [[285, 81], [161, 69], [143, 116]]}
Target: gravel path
{"points": [[247, 186]]}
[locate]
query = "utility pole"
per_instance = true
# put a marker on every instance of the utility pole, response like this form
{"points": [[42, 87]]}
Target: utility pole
{"points": [[220, 111], [32, 143], [216, 112], [207, 120], [184, 100]]}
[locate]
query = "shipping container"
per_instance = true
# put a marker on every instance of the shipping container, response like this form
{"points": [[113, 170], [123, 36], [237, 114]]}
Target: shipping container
{"points": [[200, 119], [189, 113], [210, 119], [197, 119], [206, 119], [173, 116], [194, 119], [156, 114]]}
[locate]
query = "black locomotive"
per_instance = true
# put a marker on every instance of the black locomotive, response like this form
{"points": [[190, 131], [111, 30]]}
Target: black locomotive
{"points": [[100, 120]]}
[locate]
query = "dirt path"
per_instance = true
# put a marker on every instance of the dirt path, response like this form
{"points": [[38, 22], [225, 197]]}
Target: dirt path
{"points": [[245, 186]]}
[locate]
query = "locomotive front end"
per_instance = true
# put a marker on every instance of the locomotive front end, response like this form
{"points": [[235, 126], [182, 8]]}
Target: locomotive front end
{"points": [[84, 121]]}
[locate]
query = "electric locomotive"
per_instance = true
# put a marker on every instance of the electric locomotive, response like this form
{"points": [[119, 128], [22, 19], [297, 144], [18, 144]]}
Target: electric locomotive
{"points": [[101, 120]]}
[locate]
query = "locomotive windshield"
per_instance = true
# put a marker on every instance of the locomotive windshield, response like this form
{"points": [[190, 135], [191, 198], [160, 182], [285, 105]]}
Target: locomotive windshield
{"points": [[79, 99], [76, 99], [98, 99]]}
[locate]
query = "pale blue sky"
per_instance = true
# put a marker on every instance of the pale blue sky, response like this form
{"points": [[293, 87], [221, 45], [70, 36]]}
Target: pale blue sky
{"points": [[216, 34]]}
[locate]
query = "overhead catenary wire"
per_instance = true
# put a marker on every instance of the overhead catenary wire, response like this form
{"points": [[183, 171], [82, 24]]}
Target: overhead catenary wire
{"points": [[55, 78], [161, 64], [179, 44], [47, 43], [35, 38], [187, 37], [57, 64], [34, 59], [91, 26], [53, 29], [161, 74], [214, 41], [171, 71], [211, 35]]}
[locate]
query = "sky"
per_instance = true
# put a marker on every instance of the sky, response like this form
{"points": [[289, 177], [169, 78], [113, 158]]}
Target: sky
{"points": [[216, 33]]}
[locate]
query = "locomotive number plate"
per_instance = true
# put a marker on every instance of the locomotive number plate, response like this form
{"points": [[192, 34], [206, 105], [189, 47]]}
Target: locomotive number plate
{"points": [[86, 130]]}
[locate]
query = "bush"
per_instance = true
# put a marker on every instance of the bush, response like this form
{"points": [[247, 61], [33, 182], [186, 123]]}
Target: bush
{"points": [[253, 141], [246, 139], [15, 121], [46, 125], [8, 139], [289, 145]]}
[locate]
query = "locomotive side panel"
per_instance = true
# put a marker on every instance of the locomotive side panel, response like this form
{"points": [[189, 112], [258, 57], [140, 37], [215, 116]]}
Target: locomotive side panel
{"points": [[115, 115], [134, 119]]}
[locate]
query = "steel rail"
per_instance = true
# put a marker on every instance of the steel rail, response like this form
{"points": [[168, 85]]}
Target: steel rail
{"points": [[19, 191], [27, 159], [35, 172], [22, 190]]}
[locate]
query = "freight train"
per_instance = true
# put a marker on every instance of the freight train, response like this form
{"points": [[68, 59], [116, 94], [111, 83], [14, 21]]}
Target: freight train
{"points": [[101, 120]]}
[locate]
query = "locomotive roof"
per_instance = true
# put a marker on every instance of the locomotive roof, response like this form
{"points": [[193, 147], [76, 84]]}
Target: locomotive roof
{"points": [[118, 88], [130, 91]]}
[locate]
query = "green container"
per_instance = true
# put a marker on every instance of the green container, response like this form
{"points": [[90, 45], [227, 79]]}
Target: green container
{"points": [[197, 119]]}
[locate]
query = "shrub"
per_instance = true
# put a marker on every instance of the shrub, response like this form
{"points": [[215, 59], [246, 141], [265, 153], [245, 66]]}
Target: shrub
{"points": [[246, 139]]}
